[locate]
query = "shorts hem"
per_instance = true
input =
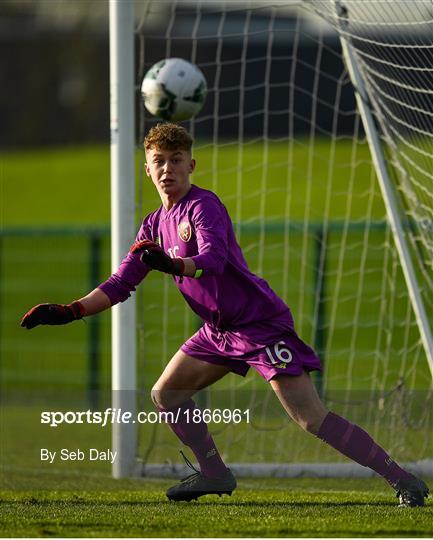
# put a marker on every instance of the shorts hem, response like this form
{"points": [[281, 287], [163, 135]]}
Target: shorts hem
{"points": [[241, 370], [298, 372]]}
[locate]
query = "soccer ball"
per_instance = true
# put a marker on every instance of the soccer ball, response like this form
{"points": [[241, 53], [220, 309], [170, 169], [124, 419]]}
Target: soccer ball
{"points": [[174, 89]]}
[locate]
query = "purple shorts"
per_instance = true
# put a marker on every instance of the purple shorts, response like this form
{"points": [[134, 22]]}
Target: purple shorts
{"points": [[284, 352]]}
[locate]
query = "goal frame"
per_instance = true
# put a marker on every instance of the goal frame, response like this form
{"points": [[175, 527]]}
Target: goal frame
{"points": [[386, 186], [124, 438]]}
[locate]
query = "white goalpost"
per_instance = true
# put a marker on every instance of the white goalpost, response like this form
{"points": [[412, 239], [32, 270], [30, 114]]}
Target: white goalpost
{"points": [[317, 134], [122, 225]]}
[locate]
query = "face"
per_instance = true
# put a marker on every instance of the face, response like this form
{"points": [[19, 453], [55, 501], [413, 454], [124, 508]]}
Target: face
{"points": [[169, 171]]}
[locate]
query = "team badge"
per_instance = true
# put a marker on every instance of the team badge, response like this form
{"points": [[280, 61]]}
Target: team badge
{"points": [[184, 231]]}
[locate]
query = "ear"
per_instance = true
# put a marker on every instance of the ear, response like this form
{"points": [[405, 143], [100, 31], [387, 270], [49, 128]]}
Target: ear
{"points": [[192, 165], [147, 169]]}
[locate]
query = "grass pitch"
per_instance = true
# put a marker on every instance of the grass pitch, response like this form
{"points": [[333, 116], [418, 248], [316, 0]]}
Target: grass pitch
{"points": [[258, 508]]}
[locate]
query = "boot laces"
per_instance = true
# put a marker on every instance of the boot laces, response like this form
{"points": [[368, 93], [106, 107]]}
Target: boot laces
{"points": [[192, 476]]}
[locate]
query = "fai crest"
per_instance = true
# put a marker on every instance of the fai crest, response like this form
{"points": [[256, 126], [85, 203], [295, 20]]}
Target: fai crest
{"points": [[184, 230]]}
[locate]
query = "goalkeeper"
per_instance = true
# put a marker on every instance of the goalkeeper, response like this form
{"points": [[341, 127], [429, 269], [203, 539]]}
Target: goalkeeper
{"points": [[245, 324]]}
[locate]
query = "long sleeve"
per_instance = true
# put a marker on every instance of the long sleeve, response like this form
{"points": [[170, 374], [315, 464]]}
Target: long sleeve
{"points": [[131, 272], [211, 224], [119, 286]]}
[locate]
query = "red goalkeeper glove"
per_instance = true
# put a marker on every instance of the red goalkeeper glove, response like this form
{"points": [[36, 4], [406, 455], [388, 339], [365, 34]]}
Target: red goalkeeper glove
{"points": [[155, 257], [53, 314]]}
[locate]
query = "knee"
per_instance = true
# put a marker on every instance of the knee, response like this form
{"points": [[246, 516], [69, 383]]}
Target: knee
{"points": [[157, 399], [165, 399]]}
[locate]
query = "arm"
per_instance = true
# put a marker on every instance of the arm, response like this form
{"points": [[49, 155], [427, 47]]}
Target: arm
{"points": [[211, 223], [116, 289], [95, 302], [56, 314], [131, 272]]}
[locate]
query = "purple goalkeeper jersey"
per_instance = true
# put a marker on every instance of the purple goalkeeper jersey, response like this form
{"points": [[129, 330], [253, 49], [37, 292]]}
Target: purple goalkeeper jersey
{"points": [[227, 295]]}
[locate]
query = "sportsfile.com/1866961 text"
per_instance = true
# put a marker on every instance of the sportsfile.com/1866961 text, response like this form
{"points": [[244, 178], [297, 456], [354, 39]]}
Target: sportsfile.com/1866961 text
{"points": [[118, 416]]}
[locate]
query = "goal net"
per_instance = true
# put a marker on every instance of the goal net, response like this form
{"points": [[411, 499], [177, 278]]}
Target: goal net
{"points": [[281, 141]]}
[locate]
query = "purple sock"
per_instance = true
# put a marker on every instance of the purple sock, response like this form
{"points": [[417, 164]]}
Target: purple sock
{"points": [[196, 435], [356, 444]]}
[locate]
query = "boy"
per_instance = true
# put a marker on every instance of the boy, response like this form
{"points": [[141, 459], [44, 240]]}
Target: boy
{"points": [[245, 323]]}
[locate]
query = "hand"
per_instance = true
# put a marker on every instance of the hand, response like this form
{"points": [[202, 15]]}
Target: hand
{"points": [[52, 314], [155, 257]]}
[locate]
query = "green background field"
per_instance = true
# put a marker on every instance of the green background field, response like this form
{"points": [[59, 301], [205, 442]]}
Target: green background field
{"points": [[68, 191], [55, 201]]}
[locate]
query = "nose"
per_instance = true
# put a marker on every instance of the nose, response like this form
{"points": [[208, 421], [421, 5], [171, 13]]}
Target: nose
{"points": [[166, 167]]}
